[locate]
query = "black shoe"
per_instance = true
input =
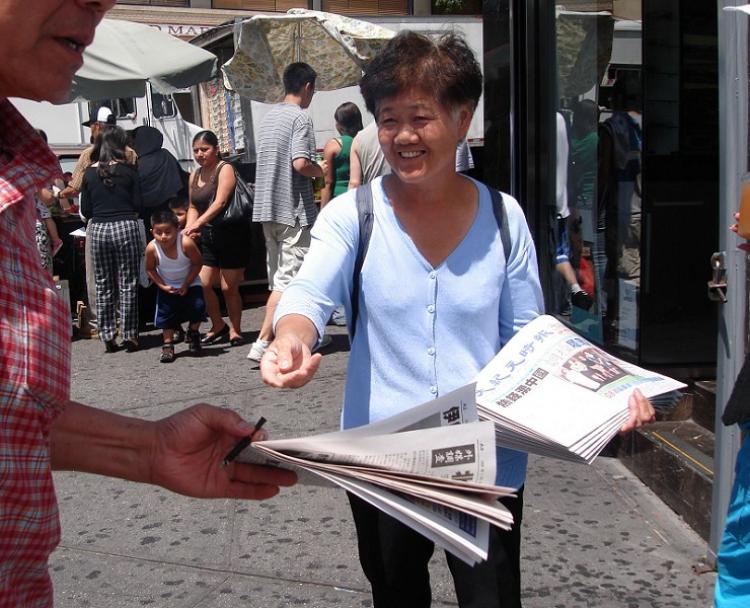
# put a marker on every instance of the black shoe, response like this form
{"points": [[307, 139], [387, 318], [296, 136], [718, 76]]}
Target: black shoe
{"points": [[210, 338], [110, 346], [581, 299], [131, 345], [194, 342]]}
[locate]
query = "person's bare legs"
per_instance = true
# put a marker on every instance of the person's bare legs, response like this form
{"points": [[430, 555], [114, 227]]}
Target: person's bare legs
{"points": [[266, 329], [210, 278], [230, 281]]}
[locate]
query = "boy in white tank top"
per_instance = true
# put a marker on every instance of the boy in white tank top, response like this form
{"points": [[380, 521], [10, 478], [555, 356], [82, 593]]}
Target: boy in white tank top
{"points": [[173, 263]]}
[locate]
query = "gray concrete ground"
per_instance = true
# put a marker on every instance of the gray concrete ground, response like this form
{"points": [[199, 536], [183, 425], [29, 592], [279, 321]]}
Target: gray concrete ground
{"points": [[593, 536]]}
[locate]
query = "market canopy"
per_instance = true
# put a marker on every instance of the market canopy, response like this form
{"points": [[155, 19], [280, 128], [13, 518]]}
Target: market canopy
{"points": [[125, 56], [336, 47]]}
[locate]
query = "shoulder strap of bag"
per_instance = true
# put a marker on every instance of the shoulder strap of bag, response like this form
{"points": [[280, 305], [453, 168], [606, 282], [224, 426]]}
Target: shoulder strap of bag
{"points": [[365, 215], [501, 217]]}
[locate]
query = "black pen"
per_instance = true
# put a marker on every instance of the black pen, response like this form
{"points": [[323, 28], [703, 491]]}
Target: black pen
{"points": [[243, 443]]}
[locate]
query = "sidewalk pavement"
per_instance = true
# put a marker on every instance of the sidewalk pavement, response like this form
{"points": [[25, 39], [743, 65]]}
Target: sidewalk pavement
{"points": [[593, 536]]}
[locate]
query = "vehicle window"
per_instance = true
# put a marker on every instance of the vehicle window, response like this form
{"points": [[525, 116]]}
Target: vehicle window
{"points": [[122, 107], [162, 105]]}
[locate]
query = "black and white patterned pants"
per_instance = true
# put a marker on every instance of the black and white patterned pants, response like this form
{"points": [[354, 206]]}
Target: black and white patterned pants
{"points": [[116, 250]]}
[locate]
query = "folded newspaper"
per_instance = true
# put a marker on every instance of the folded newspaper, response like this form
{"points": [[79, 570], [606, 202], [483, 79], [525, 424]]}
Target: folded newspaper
{"points": [[431, 467], [551, 392]]}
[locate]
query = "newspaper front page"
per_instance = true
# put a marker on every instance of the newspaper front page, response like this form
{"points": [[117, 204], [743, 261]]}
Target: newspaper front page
{"points": [[552, 392]]}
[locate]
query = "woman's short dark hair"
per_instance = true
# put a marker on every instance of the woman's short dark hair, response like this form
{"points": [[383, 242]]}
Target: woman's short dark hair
{"points": [[164, 216], [445, 66], [349, 117], [208, 136], [109, 148], [297, 75]]}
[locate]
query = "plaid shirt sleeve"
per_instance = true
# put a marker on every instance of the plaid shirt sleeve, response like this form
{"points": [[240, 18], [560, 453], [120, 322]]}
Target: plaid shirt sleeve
{"points": [[34, 370]]}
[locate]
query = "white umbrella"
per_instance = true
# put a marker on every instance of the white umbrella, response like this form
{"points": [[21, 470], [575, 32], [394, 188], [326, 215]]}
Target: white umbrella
{"points": [[335, 46], [125, 56]]}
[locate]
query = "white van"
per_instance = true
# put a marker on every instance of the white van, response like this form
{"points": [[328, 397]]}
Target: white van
{"points": [[67, 137]]}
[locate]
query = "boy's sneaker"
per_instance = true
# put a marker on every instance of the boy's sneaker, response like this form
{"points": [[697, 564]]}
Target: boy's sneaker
{"points": [[167, 353], [257, 349], [193, 338], [338, 316]]}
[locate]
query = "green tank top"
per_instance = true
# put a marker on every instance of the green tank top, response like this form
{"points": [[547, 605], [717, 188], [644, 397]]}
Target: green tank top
{"points": [[341, 166]]}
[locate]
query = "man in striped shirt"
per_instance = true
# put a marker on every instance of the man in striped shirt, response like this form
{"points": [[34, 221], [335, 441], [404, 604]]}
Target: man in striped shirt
{"points": [[284, 201]]}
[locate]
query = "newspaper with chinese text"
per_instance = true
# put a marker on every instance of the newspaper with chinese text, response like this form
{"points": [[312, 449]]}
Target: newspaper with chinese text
{"points": [[431, 467], [551, 392]]}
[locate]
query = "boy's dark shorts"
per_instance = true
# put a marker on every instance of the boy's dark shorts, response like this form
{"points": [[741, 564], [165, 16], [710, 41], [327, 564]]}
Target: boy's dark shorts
{"points": [[173, 309]]}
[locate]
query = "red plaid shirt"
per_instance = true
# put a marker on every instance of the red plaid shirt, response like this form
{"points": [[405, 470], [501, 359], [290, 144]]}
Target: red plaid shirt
{"points": [[34, 370]]}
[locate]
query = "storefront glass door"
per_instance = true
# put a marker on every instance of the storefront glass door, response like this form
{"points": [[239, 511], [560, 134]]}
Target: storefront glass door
{"points": [[596, 229]]}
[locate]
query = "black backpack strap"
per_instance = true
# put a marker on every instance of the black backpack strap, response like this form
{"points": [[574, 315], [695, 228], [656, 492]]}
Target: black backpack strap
{"points": [[365, 214], [501, 217]]}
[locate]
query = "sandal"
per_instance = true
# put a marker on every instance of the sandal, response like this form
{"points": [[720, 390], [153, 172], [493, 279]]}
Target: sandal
{"points": [[167, 353], [212, 338], [237, 341]]}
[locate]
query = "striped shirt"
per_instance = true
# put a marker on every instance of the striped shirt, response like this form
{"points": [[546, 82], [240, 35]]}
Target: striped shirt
{"points": [[283, 195], [34, 370]]}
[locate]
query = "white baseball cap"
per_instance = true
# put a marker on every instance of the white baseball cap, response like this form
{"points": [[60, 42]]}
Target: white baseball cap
{"points": [[103, 115]]}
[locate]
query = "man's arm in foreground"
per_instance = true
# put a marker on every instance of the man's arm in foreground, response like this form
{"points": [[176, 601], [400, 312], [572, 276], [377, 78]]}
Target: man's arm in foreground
{"points": [[182, 452]]}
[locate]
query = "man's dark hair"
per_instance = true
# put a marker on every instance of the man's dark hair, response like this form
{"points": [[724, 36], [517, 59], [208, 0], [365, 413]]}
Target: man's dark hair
{"points": [[164, 216], [297, 75], [179, 203], [349, 117], [445, 67]]}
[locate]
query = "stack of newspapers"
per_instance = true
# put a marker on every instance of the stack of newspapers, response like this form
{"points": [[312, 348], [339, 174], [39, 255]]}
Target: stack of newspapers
{"points": [[551, 392], [431, 467]]}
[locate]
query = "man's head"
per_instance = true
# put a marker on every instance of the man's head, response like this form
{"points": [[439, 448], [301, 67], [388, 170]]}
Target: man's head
{"points": [[99, 119], [42, 42], [299, 80]]}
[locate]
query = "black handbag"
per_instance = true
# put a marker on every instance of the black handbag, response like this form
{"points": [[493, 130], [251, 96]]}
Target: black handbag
{"points": [[239, 207]]}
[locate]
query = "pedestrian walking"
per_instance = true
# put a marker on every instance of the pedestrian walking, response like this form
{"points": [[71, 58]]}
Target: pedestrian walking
{"points": [[223, 247], [173, 263], [111, 197], [336, 151], [284, 201]]}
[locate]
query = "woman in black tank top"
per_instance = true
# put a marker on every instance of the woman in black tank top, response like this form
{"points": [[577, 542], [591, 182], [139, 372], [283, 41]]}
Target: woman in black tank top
{"points": [[224, 248]]}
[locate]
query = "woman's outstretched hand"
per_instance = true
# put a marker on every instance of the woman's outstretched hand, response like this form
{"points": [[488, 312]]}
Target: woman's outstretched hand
{"points": [[288, 363]]}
